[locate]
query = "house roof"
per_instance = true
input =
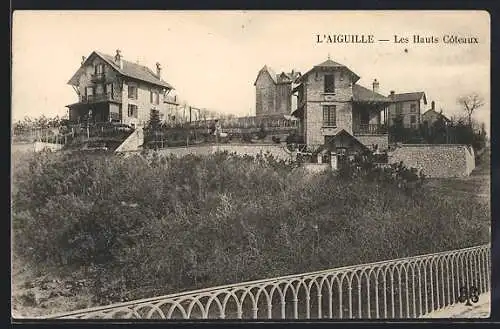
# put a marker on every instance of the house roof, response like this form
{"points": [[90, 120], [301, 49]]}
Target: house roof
{"points": [[343, 134], [445, 118], [131, 70], [269, 71], [330, 64], [362, 94], [283, 77], [404, 97]]}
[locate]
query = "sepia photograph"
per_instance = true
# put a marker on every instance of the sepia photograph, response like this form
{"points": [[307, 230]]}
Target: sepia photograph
{"points": [[255, 165]]}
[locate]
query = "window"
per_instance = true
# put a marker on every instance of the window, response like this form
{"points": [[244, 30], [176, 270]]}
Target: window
{"points": [[99, 69], [329, 116], [89, 91], [154, 97], [413, 107], [413, 119], [109, 89], [329, 83], [132, 92], [99, 90], [399, 108], [132, 111]]}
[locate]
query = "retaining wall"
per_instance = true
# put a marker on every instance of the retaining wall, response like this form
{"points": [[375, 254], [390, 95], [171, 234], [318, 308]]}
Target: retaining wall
{"points": [[381, 140], [39, 146], [276, 150], [439, 160]]}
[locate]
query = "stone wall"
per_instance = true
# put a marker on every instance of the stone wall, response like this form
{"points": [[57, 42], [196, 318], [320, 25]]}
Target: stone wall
{"points": [[436, 160], [279, 151], [381, 140]]}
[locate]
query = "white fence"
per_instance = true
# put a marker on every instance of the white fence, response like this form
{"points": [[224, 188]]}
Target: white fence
{"points": [[401, 288]]}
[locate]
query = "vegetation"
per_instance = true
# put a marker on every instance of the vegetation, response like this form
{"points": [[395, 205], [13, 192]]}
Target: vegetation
{"points": [[440, 132], [144, 226]]}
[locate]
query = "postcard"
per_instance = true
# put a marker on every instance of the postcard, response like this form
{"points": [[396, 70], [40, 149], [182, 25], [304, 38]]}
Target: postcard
{"points": [[252, 165]]}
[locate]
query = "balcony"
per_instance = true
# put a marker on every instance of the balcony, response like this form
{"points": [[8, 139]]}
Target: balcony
{"points": [[97, 77], [369, 129], [100, 98]]}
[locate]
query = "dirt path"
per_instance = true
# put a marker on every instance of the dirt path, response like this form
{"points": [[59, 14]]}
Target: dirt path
{"points": [[477, 184], [481, 309]]}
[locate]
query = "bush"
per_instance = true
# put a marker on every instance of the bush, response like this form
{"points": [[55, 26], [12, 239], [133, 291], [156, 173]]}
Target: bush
{"points": [[141, 226]]}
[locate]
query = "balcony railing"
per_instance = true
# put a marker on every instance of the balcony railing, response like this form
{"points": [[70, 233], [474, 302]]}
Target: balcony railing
{"points": [[369, 129], [97, 77], [100, 98], [399, 288]]}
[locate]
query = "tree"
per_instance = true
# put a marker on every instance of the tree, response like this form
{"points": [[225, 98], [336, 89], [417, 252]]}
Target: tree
{"points": [[153, 128], [397, 130], [439, 131], [154, 120], [470, 103]]}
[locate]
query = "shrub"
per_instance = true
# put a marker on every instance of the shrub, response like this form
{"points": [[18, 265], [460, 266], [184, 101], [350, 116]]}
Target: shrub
{"points": [[145, 226]]}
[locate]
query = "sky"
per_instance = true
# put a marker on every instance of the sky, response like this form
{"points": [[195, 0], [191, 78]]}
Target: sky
{"points": [[212, 57]]}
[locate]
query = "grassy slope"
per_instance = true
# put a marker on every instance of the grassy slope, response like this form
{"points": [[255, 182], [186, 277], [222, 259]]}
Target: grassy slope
{"points": [[35, 294], [477, 184]]}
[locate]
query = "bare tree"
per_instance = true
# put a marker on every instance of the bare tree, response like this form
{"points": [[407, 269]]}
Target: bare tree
{"points": [[470, 104]]}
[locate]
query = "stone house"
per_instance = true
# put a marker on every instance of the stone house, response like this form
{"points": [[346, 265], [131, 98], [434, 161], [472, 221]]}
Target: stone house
{"points": [[110, 88], [430, 116], [273, 92], [407, 105], [336, 112]]}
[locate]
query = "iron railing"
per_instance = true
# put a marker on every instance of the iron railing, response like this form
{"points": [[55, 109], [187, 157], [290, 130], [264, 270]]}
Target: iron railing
{"points": [[109, 96], [369, 129], [401, 288]]}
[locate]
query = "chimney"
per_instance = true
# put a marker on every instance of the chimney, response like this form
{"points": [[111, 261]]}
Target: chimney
{"points": [[83, 59], [432, 105], [158, 70], [375, 86], [118, 58]]}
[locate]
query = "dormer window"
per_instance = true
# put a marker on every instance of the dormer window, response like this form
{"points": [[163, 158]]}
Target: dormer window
{"points": [[155, 97], [329, 83], [99, 69]]}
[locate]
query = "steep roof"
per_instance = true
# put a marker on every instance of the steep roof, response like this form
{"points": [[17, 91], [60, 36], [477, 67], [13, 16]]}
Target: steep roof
{"points": [[283, 77], [330, 64], [342, 134], [404, 97], [362, 94], [268, 70], [131, 70], [445, 118]]}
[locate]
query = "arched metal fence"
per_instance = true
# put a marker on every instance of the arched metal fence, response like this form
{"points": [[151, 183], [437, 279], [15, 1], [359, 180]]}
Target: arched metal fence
{"points": [[400, 288]]}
